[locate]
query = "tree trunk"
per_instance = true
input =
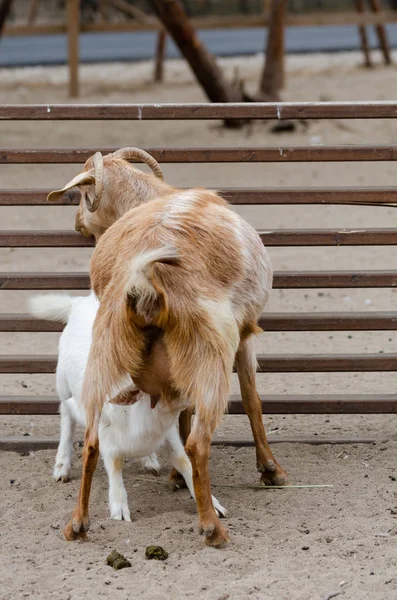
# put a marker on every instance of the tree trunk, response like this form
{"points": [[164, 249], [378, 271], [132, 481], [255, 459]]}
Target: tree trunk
{"points": [[201, 61], [381, 33], [362, 32], [272, 80], [5, 8]]}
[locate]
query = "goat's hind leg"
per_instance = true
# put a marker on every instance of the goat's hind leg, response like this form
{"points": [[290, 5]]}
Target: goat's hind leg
{"points": [[271, 472], [79, 524], [181, 463], [63, 461], [176, 479], [198, 449]]}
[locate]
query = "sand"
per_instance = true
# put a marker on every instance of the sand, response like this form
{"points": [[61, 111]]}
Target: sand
{"points": [[293, 544]]}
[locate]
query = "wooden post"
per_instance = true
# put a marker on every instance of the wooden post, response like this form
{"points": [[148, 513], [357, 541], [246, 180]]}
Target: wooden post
{"points": [[381, 33], [362, 32], [5, 8], [73, 26], [272, 80], [103, 10], [160, 52], [201, 61], [34, 6]]}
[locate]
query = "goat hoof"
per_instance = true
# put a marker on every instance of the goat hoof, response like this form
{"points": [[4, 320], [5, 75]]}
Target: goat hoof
{"points": [[207, 528], [216, 534], [151, 464], [276, 477], [120, 512], [70, 534], [176, 481], [61, 473]]}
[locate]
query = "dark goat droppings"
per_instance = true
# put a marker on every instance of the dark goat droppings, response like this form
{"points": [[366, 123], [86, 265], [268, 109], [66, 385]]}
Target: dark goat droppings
{"points": [[156, 553], [117, 561]]}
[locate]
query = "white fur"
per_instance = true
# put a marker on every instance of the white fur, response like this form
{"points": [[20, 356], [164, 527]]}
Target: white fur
{"points": [[54, 307], [135, 431]]}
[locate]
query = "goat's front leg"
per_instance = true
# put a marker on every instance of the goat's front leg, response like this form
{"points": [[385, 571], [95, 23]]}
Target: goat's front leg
{"points": [[198, 449], [80, 522], [63, 461], [118, 501], [181, 463], [177, 480], [271, 472]]}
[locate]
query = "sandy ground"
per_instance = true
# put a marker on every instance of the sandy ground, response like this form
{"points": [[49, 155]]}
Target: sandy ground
{"points": [[292, 544]]}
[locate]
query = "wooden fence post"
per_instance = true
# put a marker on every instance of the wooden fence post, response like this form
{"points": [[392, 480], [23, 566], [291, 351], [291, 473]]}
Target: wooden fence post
{"points": [[73, 27], [272, 79], [5, 8], [362, 32], [381, 33], [160, 52]]}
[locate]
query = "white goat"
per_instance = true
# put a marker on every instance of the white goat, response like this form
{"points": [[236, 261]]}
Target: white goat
{"points": [[135, 431]]}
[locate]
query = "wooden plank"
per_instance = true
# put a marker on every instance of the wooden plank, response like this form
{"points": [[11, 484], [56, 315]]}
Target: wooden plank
{"points": [[367, 153], [16, 323], [334, 279], [44, 239], [283, 363], [326, 363], [273, 404], [330, 237], [28, 364], [176, 112], [29, 405], [316, 404], [314, 441], [44, 281], [318, 19], [282, 280], [24, 444], [343, 321], [283, 237], [241, 196]]}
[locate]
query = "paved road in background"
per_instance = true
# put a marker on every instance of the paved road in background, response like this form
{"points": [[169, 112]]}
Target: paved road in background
{"points": [[111, 47]]}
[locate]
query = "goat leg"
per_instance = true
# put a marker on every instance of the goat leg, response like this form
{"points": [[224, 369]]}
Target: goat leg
{"points": [[80, 522], [271, 472], [198, 449], [176, 479]]}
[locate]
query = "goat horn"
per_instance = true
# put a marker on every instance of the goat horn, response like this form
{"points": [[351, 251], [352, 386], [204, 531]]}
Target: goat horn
{"points": [[138, 153], [97, 161]]}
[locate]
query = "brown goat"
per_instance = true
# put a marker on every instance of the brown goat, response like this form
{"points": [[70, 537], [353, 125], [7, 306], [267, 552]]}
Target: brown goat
{"points": [[182, 270]]}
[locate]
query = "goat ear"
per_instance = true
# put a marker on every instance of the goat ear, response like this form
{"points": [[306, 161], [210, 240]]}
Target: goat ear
{"points": [[85, 178]]}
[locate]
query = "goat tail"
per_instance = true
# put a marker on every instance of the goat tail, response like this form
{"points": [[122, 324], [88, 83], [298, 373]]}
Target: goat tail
{"points": [[143, 290], [54, 307]]}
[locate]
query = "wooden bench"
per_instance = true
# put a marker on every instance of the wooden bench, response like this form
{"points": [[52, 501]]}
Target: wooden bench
{"points": [[335, 321]]}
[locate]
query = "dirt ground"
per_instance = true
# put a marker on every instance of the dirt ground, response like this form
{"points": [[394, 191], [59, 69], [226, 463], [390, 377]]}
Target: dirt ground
{"points": [[297, 544]]}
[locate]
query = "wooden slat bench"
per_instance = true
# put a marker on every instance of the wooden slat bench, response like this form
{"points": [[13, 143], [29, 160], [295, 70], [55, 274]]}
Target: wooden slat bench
{"points": [[276, 322]]}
